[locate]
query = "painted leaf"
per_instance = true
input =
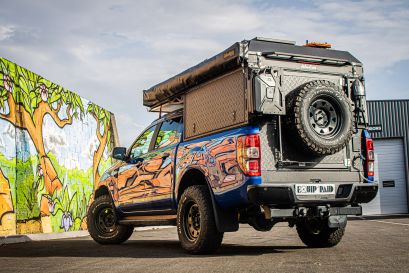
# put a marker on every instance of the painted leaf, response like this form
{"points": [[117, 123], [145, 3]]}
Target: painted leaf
{"points": [[55, 96], [33, 103], [90, 107], [101, 115], [23, 85]]}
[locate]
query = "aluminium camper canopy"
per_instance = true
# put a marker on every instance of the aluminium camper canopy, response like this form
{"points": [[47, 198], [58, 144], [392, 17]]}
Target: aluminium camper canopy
{"points": [[239, 54]]}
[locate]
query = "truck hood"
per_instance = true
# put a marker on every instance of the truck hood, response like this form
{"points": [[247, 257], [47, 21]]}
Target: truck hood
{"points": [[109, 172]]}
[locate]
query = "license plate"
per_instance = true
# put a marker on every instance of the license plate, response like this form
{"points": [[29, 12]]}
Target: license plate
{"points": [[314, 189]]}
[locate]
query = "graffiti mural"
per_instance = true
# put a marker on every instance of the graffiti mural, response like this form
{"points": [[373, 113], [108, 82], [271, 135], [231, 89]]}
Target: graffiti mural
{"points": [[216, 158], [53, 147], [146, 178]]}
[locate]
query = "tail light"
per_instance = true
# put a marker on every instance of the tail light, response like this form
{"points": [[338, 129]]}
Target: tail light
{"points": [[369, 164], [249, 154]]}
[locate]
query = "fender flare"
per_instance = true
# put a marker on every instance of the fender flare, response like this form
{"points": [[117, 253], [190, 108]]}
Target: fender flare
{"points": [[226, 219]]}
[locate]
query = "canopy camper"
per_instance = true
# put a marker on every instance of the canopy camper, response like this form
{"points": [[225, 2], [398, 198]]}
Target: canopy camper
{"points": [[252, 78]]}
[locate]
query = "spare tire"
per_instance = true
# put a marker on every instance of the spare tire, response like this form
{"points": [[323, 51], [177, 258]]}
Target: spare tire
{"points": [[320, 118]]}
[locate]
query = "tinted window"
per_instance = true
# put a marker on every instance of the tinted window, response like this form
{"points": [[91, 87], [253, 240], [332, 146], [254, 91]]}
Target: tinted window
{"points": [[169, 133], [141, 146]]}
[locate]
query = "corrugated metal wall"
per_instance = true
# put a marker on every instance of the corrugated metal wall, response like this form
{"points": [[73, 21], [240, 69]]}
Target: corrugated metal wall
{"points": [[393, 116]]}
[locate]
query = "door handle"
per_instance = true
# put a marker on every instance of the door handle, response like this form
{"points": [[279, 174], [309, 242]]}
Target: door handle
{"points": [[136, 161]]}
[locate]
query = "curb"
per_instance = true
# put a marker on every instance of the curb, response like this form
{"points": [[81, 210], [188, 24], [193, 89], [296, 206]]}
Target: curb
{"points": [[378, 216], [16, 239]]}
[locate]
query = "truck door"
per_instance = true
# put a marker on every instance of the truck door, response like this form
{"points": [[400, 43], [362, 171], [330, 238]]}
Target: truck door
{"points": [[162, 163], [132, 178]]}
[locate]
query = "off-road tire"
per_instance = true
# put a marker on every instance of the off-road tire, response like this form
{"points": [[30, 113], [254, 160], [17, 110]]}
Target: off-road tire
{"points": [[324, 237], [300, 124], [118, 234], [209, 238]]}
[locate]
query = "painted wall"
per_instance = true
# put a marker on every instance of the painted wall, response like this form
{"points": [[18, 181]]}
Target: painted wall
{"points": [[53, 146]]}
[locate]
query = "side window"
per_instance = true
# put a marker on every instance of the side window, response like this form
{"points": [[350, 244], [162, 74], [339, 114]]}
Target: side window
{"points": [[169, 133], [141, 146]]}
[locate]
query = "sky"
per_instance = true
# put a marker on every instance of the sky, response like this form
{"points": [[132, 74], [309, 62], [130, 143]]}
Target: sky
{"points": [[108, 51]]}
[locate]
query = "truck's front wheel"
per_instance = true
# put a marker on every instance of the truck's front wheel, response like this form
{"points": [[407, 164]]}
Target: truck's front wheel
{"points": [[103, 225], [317, 234], [196, 225]]}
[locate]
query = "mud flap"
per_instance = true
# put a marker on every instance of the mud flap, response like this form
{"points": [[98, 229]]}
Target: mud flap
{"points": [[337, 221], [226, 220]]}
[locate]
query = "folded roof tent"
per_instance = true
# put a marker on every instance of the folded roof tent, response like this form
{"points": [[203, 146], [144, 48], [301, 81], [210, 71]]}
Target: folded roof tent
{"points": [[166, 96]]}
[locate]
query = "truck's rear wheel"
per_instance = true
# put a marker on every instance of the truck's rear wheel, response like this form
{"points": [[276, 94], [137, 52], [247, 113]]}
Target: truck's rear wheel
{"points": [[316, 233], [320, 118], [196, 225], [103, 225]]}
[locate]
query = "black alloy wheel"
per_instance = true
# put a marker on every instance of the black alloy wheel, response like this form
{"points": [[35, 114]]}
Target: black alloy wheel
{"points": [[319, 118], [103, 223], [196, 224], [106, 221], [192, 221], [326, 117]]}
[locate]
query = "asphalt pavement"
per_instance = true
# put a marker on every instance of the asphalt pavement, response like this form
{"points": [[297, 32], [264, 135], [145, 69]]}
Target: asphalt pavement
{"points": [[377, 245]]}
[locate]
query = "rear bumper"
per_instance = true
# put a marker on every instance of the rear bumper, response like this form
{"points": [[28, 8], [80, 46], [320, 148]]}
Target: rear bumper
{"points": [[283, 195]]}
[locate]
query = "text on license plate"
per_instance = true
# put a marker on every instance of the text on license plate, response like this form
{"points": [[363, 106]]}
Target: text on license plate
{"points": [[312, 189]]}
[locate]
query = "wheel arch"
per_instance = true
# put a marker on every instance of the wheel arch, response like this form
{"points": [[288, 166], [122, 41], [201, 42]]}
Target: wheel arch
{"points": [[190, 177], [102, 190], [226, 220]]}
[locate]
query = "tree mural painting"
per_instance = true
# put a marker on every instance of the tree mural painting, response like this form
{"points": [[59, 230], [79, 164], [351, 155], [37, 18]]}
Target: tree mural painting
{"points": [[6, 203], [103, 119], [29, 97], [48, 191]]}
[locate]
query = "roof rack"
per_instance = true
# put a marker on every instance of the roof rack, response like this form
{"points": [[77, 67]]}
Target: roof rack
{"points": [[309, 58], [279, 41]]}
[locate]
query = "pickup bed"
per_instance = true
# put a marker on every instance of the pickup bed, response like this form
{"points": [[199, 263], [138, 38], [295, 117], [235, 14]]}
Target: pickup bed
{"points": [[310, 165]]}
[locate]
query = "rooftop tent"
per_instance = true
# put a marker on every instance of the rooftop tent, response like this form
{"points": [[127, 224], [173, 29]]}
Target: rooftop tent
{"points": [[169, 92], [206, 70]]}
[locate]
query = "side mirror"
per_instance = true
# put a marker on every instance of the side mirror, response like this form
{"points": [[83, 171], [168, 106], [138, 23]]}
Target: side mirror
{"points": [[119, 153]]}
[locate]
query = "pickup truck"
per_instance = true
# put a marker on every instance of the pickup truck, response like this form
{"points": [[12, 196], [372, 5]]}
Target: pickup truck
{"points": [[309, 163]]}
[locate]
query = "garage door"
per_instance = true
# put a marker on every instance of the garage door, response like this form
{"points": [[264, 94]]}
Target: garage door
{"points": [[392, 195]]}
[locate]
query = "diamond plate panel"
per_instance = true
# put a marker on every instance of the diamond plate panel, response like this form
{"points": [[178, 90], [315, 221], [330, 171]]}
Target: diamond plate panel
{"points": [[268, 145], [291, 153], [291, 82], [217, 105]]}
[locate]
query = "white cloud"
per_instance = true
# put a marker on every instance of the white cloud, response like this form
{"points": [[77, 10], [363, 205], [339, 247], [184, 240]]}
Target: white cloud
{"points": [[129, 129], [5, 32], [109, 51], [71, 163], [10, 132], [92, 147], [54, 138], [7, 137]]}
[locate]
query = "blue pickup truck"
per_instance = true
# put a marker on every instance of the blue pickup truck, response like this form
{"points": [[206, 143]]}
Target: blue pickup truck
{"points": [[264, 132]]}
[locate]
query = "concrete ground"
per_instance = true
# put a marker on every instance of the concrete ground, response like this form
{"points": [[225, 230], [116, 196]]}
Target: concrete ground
{"points": [[378, 245]]}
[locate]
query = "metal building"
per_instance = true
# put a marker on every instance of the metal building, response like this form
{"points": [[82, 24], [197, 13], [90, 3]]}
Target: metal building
{"points": [[389, 127]]}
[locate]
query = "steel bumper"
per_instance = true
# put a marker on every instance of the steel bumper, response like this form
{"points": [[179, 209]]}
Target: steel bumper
{"points": [[283, 195]]}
